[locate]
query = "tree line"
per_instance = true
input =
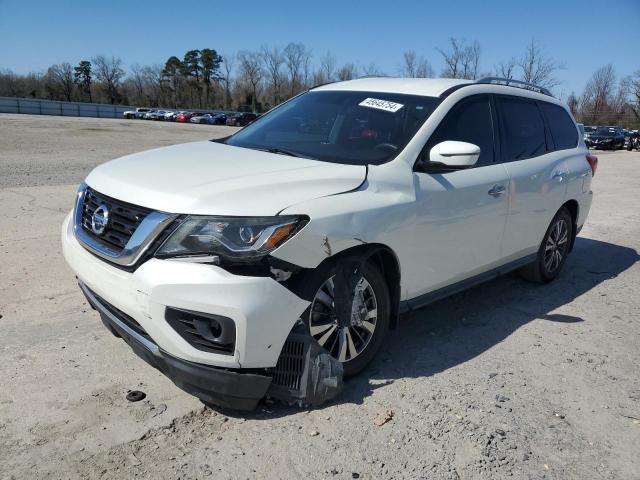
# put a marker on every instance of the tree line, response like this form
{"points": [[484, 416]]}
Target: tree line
{"points": [[259, 79]]}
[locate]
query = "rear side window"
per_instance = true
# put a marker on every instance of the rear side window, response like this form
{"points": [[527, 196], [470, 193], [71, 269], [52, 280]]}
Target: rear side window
{"points": [[468, 121], [563, 130], [523, 132]]}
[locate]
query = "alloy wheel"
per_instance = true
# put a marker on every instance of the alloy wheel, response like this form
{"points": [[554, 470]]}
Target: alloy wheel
{"points": [[556, 245], [344, 341]]}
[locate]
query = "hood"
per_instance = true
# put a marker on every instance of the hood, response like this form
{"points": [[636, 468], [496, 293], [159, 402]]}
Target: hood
{"points": [[208, 178], [603, 137]]}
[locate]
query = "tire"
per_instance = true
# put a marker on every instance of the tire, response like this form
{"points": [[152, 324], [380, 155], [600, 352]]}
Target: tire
{"points": [[547, 265], [237, 124], [366, 342]]}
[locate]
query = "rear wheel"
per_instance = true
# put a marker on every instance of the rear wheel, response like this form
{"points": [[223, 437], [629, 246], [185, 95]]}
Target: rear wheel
{"points": [[353, 341], [553, 251]]}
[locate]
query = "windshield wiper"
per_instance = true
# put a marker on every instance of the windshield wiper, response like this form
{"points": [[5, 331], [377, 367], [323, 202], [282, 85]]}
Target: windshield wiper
{"points": [[281, 151]]}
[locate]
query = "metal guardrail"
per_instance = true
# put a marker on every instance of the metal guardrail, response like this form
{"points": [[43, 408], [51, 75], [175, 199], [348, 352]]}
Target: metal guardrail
{"points": [[33, 106]]}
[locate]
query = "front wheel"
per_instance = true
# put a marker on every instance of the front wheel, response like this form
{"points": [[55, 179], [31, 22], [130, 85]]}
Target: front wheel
{"points": [[354, 339], [553, 251]]}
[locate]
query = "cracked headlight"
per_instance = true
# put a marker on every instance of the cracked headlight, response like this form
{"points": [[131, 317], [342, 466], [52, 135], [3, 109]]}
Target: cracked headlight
{"points": [[233, 238]]}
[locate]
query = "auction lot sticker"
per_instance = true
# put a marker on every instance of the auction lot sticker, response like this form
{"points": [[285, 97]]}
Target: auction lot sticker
{"points": [[385, 105]]}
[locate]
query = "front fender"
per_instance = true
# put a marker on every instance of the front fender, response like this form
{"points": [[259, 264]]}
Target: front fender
{"points": [[341, 222]]}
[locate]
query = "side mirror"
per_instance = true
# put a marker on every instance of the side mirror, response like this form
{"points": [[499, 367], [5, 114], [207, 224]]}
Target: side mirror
{"points": [[453, 155]]}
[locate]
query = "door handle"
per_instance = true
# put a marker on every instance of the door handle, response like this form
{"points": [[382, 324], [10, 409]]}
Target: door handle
{"points": [[559, 176], [497, 190]]}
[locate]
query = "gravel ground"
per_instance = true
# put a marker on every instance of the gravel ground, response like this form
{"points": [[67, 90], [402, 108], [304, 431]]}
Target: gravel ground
{"points": [[507, 380]]}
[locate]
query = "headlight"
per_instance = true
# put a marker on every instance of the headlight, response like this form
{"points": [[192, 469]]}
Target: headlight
{"points": [[233, 238]]}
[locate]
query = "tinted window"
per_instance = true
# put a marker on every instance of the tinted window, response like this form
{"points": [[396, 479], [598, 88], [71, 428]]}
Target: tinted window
{"points": [[523, 134], [347, 127], [468, 121], [563, 130]]}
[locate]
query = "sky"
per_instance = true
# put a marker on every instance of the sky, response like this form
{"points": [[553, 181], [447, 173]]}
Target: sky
{"points": [[36, 34]]}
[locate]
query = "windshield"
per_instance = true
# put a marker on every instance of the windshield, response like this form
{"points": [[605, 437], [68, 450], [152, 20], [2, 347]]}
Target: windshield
{"points": [[605, 131], [356, 128]]}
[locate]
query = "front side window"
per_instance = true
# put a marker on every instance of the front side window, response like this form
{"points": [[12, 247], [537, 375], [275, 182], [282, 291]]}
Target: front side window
{"points": [[523, 134], [468, 121], [356, 128], [563, 130]]}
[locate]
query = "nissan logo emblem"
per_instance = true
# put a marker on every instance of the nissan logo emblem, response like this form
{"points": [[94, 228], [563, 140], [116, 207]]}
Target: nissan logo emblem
{"points": [[100, 219]]}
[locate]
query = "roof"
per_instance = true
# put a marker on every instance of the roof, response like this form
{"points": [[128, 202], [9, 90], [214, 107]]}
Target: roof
{"points": [[429, 87]]}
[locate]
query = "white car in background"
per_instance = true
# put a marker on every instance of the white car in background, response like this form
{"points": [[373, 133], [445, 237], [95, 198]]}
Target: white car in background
{"points": [[155, 115], [274, 261], [138, 113]]}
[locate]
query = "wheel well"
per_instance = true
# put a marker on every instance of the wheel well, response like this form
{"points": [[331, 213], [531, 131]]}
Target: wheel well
{"points": [[573, 208], [385, 260], [388, 264]]}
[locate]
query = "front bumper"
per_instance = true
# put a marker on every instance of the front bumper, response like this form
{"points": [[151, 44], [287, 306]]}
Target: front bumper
{"points": [[263, 311], [226, 388]]}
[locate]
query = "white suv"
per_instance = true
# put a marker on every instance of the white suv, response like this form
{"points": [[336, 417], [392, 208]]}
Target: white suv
{"points": [[273, 261]]}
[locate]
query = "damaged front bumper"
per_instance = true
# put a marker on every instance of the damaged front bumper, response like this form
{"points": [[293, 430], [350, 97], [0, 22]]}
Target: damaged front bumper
{"points": [[256, 355], [220, 386], [305, 374]]}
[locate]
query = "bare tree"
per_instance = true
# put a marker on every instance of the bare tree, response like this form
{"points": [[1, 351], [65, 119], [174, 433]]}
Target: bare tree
{"points": [[471, 60], [461, 60], [347, 72], [294, 58], [60, 79], [372, 70], [306, 69], [414, 66], [137, 80], [573, 103], [598, 95], [327, 68], [537, 67], [110, 73], [506, 69], [228, 62], [273, 59], [251, 72], [633, 83]]}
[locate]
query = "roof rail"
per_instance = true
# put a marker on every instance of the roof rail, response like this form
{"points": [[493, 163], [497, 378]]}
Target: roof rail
{"points": [[510, 82]]}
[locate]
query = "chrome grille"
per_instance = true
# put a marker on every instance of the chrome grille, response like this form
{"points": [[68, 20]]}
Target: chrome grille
{"points": [[124, 219]]}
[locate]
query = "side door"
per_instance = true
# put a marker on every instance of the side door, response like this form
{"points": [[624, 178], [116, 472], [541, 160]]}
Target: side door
{"points": [[460, 215], [538, 174]]}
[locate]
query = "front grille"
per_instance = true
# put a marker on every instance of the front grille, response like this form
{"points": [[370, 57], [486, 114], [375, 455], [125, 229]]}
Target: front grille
{"points": [[290, 367], [124, 219]]}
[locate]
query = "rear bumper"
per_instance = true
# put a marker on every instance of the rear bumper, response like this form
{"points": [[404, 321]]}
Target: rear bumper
{"points": [[223, 387]]}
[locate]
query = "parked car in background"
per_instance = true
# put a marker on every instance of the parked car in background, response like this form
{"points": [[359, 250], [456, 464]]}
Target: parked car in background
{"points": [[218, 119], [137, 113], [156, 115], [241, 119], [588, 130], [606, 138], [185, 117], [146, 115], [633, 142], [204, 118], [276, 260]]}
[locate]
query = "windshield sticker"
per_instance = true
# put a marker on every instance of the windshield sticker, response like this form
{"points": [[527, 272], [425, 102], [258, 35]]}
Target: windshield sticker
{"points": [[385, 105]]}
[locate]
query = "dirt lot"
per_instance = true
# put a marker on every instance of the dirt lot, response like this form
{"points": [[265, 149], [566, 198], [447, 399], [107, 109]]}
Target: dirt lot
{"points": [[508, 379]]}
